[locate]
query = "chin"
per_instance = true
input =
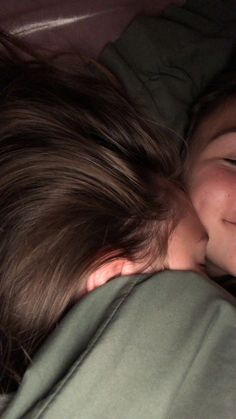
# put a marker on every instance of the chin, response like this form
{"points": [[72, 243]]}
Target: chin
{"points": [[230, 268], [215, 271], [231, 272]]}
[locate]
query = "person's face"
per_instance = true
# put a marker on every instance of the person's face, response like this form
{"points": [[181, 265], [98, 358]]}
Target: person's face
{"points": [[212, 185]]}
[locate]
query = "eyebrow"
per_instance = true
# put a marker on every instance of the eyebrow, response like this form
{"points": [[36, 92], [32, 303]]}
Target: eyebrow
{"points": [[222, 132]]}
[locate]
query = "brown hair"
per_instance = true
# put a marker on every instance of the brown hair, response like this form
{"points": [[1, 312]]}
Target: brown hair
{"points": [[84, 178]]}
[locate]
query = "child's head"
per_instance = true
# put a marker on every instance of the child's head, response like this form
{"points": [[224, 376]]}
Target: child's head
{"points": [[211, 170], [89, 191]]}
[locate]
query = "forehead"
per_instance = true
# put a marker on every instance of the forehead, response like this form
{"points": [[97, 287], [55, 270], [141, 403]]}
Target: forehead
{"points": [[220, 121]]}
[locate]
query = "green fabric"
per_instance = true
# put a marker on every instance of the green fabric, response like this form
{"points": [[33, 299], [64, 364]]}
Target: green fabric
{"points": [[165, 62], [139, 347]]}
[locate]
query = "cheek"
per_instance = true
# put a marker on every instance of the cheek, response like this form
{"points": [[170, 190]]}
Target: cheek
{"points": [[213, 193]]}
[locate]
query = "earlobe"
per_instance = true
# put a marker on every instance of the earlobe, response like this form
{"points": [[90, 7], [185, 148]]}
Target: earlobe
{"points": [[104, 274]]}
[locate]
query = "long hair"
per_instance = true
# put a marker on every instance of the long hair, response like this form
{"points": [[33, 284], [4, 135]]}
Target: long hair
{"points": [[84, 179]]}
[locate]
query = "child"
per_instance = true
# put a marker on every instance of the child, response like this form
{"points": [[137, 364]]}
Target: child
{"points": [[89, 191]]}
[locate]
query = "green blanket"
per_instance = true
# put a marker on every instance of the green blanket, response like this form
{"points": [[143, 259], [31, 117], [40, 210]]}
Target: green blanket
{"points": [[165, 62]]}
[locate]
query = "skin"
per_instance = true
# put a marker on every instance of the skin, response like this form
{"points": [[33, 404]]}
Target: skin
{"points": [[187, 244], [186, 251], [212, 186]]}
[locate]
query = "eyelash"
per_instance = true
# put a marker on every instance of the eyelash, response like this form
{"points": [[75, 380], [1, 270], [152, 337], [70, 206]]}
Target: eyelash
{"points": [[231, 161]]}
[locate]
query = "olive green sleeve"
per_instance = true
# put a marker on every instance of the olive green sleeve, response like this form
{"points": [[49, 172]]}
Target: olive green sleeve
{"points": [[157, 347]]}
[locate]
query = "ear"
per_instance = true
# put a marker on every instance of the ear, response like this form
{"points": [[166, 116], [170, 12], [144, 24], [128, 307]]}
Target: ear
{"points": [[104, 274], [109, 270]]}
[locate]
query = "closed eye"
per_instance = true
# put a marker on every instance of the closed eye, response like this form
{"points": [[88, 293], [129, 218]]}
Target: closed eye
{"points": [[231, 161]]}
